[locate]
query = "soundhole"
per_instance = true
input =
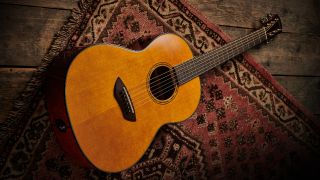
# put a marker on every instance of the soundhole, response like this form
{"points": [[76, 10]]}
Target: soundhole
{"points": [[162, 83]]}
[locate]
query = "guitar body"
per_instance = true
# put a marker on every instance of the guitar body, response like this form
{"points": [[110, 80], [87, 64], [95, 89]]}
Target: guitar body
{"points": [[106, 103], [105, 137]]}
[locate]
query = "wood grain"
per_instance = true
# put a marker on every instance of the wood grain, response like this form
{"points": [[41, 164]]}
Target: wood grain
{"points": [[12, 82], [36, 27], [57, 4], [26, 33], [297, 16], [305, 89]]}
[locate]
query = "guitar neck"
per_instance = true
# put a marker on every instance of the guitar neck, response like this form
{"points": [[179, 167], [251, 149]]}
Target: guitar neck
{"points": [[198, 65]]}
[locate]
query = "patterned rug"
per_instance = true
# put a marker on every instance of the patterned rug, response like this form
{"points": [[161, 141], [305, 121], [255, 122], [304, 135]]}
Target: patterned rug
{"points": [[245, 127]]}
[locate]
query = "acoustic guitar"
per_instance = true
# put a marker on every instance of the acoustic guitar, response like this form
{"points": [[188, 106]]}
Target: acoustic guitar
{"points": [[108, 102]]}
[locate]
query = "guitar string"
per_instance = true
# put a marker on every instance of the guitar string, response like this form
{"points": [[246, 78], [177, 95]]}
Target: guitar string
{"points": [[171, 71], [250, 37], [209, 61], [217, 55], [138, 104], [202, 68], [256, 37]]}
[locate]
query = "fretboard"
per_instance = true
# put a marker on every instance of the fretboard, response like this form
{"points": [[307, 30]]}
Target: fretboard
{"points": [[198, 65]]}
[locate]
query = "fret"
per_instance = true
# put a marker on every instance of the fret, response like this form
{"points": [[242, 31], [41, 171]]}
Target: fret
{"points": [[201, 64]]}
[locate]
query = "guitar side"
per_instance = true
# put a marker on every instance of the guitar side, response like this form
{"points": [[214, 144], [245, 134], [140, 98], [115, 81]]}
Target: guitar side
{"points": [[56, 106], [107, 140]]}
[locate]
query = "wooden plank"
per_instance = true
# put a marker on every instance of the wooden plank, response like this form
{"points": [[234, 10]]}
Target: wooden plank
{"points": [[296, 15], [286, 54], [26, 33], [305, 89], [12, 82], [58, 4]]}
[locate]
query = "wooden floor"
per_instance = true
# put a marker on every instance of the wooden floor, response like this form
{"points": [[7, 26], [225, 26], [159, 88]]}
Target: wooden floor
{"points": [[293, 58]]}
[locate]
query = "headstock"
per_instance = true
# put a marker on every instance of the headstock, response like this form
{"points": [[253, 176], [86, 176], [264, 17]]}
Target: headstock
{"points": [[272, 25]]}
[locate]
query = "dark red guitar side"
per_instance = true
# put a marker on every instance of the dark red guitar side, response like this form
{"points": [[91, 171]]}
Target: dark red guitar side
{"points": [[56, 106], [55, 102]]}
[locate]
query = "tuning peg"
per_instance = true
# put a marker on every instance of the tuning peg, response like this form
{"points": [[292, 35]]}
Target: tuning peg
{"points": [[264, 20], [269, 16], [276, 31]]}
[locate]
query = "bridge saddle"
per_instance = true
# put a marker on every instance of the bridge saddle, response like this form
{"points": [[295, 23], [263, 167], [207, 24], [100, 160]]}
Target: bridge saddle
{"points": [[122, 96]]}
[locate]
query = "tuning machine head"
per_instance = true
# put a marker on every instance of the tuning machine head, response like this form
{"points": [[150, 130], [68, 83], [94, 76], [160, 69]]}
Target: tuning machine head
{"points": [[272, 25], [265, 19]]}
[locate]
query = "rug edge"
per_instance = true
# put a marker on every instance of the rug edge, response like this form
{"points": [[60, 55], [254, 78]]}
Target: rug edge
{"points": [[23, 103]]}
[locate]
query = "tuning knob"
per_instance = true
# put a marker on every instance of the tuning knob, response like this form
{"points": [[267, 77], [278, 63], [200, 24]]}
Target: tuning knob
{"points": [[267, 18], [264, 20]]}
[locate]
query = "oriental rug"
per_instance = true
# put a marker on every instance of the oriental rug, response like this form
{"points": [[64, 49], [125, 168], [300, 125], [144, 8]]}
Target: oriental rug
{"points": [[245, 127]]}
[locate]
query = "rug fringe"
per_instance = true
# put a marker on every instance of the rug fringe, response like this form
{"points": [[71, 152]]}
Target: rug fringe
{"points": [[22, 106]]}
